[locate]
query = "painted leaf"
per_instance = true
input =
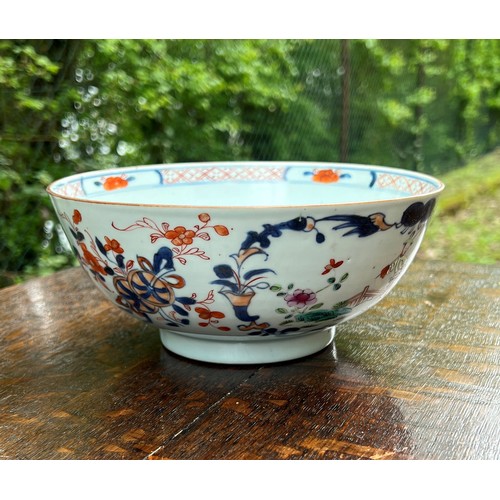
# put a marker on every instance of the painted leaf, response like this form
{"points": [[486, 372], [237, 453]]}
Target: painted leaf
{"points": [[344, 277], [224, 328], [197, 252], [244, 254], [209, 299], [186, 300], [203, 236], [281, 310], [155, 236], [109, 271], [163, 259], [275, 288], [100, 246], [180, 310], [320, 238], [316, 306], [144, 223], [223, 271], [232, 286], [221, 230], [77, 235], [261, 286], [120, 260], [255, 272]]}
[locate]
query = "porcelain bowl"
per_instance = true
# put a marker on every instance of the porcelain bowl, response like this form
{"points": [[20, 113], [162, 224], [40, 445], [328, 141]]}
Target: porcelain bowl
{"points": [[250, 262]]}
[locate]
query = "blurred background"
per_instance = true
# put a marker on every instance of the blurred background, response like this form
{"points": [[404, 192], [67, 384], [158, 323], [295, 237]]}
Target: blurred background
{"points": [[68, 106]]}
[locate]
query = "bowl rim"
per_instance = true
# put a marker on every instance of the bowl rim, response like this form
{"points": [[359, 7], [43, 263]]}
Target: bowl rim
{"points": [[437, 184]]}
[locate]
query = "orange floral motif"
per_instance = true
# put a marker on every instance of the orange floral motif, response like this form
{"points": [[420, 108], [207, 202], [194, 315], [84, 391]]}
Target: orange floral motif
{"points": [[113, 245], [211, 318], [115, 183], [180, 236], [77, 216], [206, 314], [332, 265], [326, 176], [91, 260]]}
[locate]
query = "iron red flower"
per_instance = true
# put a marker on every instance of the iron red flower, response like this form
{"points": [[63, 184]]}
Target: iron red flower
{"points": [[180, 236]]}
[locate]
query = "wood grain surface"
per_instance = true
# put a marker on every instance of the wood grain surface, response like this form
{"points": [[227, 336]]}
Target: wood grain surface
{"points": [[416, 377]]}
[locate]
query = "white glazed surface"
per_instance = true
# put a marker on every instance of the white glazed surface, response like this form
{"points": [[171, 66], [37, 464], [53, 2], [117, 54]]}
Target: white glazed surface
{"points": [[245, 252]]}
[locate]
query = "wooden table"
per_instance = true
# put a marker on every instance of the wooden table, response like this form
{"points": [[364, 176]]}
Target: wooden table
{"points": [[416, 377]]}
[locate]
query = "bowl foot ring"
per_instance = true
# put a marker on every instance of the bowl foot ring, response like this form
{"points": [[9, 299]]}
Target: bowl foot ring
{"points": [[246, 350]]}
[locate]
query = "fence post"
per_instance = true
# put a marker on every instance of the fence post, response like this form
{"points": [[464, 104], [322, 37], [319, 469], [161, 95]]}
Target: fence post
{"points": [[346, 89]]}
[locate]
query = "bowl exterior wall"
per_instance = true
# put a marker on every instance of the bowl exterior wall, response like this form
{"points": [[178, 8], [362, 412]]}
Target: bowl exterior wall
{"points": [[245, 272]]}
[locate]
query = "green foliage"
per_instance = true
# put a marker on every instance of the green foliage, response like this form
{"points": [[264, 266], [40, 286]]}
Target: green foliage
{"points": [[75, 105], [466, 226], [155, 101]]}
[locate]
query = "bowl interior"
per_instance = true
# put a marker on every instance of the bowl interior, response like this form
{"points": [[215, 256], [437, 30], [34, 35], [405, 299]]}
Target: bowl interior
{"points": [[245, 184]]}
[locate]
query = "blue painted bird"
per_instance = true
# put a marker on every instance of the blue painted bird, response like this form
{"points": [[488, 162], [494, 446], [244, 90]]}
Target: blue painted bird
{"points": [[361, 225]]}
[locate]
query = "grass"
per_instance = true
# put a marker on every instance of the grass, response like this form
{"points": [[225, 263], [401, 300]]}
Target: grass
{"points": [[466, 224]]}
